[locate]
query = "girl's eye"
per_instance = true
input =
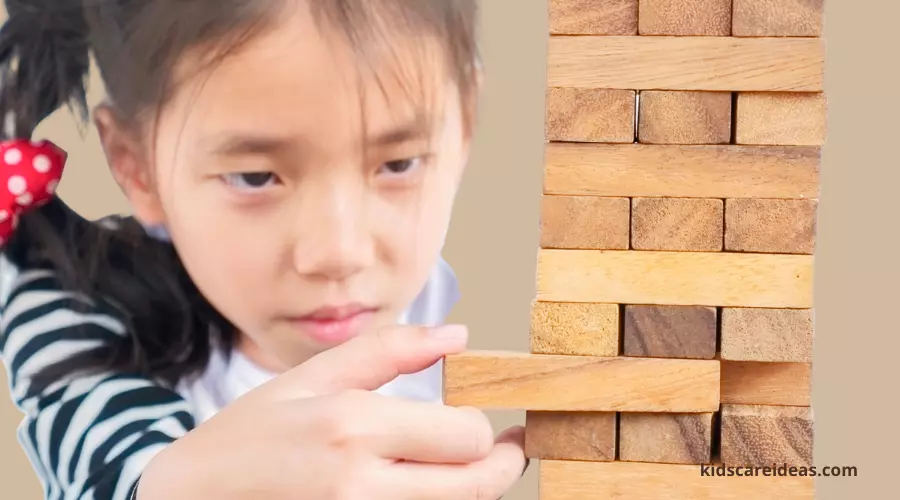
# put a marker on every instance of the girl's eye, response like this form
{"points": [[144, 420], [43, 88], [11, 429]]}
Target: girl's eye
{"points": [[402, 166], [250, 180]]}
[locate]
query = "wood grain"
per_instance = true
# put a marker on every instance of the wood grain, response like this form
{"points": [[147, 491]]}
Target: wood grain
{"points": [[675, 278], [573, 480], [677, 224], [574, 329], [593, 17], [686, 63], [672, 438], [771, 335], [685, 17], [637, 170], [682, 117], [590, 115], [771, 226], [756, 435], [570, 435], [687, 332], [778, 18], [780, 118], [517, 381], [773, 384], [585, 222]]}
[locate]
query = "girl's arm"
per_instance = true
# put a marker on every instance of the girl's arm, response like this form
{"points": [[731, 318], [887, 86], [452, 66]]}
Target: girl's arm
{"points": [[87, 437]]}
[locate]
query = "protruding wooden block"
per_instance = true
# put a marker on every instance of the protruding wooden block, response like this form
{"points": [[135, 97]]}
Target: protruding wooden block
{"points": [[585, 222], [755, 435], [574, 329], [590, 115], [771, 384], [670, 332], [778, 18], [516, 381], [687, 63], [773, 335], [685, 17], [637, 170], [671, 438], [574, 480], [679, 117], [593, 17], [770, 226], [781, 118], [677, 224], [675, 278], [570, 435]]}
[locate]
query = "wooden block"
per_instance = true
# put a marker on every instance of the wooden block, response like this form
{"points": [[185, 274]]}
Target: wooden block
{"points": [[686, 63], [573, 480], [772, 335], [772, 384], [670, 332], [575, 329], [593, 17], [778, 18], [518, 381], [585, 222], [675, 278], [756, 435], [685, 17], [570, 435], [780, 118], [672, 438], [590, 115], [770, 226], [680, 117], [637, 170], [677, 224]]}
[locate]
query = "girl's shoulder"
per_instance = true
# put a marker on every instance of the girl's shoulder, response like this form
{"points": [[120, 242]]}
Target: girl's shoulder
{"points": [[437, 299], [47, 332]]}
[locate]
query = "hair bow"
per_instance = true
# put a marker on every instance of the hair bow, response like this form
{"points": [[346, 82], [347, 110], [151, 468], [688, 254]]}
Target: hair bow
{"points": [[29, 174]]}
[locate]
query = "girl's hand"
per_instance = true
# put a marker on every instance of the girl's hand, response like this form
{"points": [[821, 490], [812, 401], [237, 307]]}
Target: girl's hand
{"points": [[318, 433]]}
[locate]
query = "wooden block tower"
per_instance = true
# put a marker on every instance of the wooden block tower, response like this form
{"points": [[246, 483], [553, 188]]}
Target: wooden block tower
{"points": [[672, 326]]}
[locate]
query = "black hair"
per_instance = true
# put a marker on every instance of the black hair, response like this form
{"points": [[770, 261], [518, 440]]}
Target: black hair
{"points": [[45, 59]]}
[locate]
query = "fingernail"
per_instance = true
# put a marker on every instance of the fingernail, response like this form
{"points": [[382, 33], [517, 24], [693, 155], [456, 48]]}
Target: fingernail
{"points": [[450, 332]]}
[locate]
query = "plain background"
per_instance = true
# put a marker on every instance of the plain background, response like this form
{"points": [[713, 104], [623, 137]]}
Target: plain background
{"points": [[494, 236]]}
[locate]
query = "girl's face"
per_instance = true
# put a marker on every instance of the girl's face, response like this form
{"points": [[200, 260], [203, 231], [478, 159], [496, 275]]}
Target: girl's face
{"points": [[307, 199]]}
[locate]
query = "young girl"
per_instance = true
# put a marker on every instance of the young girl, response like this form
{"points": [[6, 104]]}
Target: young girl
{"points": [[266, 325]]}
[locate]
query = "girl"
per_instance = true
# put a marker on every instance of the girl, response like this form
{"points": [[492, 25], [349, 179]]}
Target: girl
{"points": [[292, 166]]}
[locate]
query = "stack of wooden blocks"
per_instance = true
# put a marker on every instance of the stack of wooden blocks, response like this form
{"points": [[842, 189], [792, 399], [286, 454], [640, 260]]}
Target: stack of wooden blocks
{"points": [[673, 321]]}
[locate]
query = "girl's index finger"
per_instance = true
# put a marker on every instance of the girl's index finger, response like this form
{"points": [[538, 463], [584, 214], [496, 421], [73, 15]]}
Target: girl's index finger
{"points": [[368, 362]]}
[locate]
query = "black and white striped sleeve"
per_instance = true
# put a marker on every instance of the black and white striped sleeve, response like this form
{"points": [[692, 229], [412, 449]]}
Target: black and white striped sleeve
{"points": [[88, 437]]}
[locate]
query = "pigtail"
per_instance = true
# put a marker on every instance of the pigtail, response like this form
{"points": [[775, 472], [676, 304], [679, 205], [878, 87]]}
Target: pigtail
{"points": [[44, 65], [44, 62]]}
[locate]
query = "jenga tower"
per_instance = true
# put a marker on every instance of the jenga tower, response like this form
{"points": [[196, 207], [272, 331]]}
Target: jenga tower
{"points": [[672, 326]]}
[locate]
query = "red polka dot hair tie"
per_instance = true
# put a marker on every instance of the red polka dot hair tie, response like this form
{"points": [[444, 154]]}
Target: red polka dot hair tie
{"points": [[29, 174]]}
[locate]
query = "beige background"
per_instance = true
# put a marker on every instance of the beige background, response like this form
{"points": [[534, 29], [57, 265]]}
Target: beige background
{"points": [[494, 236]]}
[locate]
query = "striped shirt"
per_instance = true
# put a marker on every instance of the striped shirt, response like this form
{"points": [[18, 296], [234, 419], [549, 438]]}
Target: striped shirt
{"points": [[89, 437]]}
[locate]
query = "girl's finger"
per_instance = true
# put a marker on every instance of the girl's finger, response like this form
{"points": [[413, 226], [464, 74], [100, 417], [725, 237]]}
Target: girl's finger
{"points": [[399, 429], [487, 479], [369, 361]]}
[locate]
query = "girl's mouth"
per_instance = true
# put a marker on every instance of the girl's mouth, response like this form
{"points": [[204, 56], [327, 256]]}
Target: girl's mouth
{"points": [[335, 325]]}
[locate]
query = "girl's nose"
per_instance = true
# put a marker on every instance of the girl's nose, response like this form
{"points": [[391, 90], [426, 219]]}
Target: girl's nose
{"points": [[335, 239]]}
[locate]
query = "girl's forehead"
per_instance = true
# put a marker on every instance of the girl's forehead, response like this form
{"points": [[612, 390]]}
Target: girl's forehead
{"points": [[303, 78]]}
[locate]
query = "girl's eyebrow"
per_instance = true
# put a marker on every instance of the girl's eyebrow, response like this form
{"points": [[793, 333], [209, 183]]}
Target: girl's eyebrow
{"points": [[238, 143], [412, 130], [235, 143]]}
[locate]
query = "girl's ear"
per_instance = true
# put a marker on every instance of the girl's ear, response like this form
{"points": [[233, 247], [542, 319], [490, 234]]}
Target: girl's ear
{"points": [[130, 166]]}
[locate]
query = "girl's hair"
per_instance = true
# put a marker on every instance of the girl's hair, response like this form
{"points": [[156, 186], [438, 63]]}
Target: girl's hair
{"points": [[45, 49]]}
